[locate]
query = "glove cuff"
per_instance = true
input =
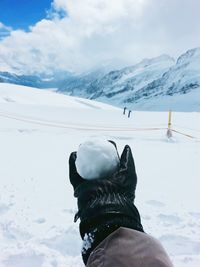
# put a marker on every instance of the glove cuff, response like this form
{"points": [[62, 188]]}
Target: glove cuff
{"points": [[94, 231]]}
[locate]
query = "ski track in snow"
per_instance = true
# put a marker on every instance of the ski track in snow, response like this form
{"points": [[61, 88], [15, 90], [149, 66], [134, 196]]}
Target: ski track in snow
{"points": [[36, 202]]}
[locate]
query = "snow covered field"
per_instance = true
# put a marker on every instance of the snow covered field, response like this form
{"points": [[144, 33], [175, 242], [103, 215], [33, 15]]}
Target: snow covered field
{"points": [[39, 129]]}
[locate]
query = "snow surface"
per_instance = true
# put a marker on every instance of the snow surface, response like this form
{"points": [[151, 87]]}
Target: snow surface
{"points": [[96, 158], [38, 131]]}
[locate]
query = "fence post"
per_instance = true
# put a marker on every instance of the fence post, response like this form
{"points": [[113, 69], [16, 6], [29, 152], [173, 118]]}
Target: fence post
{"points": [[169, 131]]}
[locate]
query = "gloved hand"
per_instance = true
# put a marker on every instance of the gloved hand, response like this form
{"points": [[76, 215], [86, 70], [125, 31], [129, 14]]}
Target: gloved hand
{"points": [[111, 195], [105, 204]]}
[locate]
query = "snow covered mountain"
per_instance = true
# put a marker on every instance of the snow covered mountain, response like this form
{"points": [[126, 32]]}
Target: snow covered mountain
{"points": [[122, 84], [38, 131], [180, 79], [147, 85], [119, 84], [38, 81], [79, 85], [82, 84]]}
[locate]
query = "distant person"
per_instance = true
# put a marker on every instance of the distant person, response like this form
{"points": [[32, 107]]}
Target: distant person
{"points": [[124, 110], [110, 223], [129, 113]]}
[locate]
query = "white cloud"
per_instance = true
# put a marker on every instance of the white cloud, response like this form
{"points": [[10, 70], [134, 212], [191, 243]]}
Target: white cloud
{"points": [[4, 27], [4, 30], [93, 31]]}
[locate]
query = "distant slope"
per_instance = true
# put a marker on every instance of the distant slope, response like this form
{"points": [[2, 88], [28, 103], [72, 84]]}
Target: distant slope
{"points": [[11, 93]]}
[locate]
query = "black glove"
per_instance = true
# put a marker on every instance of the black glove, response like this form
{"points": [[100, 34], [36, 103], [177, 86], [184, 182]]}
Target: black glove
{"points": [[106, 204]]}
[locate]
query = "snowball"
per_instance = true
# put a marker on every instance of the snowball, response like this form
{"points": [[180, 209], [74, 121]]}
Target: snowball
{"points": [[96, 158]]}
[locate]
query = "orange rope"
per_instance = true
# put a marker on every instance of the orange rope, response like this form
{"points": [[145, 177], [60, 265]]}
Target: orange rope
{"points": [[89, 128], [187, 135], [76, 127]]}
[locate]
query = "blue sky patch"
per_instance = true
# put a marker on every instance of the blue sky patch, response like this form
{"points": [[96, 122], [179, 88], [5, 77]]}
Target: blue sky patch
{"points": [[20, 14]]}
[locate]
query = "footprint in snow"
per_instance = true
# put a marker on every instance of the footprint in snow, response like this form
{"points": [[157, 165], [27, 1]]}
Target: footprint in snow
{"points": [[169, 218], [4, 208], [66, 242], [40, 220], [26, 130], [8, 99], [155, 203], [196, 215], [69, 211], [30, 259], [12, 232], [180, 245]]}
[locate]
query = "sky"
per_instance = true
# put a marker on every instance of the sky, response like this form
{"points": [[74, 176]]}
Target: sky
{"points": [[77, 35], [21, 14]]}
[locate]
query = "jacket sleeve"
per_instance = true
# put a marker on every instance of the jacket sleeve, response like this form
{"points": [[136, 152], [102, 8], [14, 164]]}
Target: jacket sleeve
{"points": [[129, 248]]}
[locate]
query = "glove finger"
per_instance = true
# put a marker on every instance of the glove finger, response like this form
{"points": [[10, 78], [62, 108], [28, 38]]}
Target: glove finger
{"points": [[114, 144], [127, 161], [74, 177]]}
